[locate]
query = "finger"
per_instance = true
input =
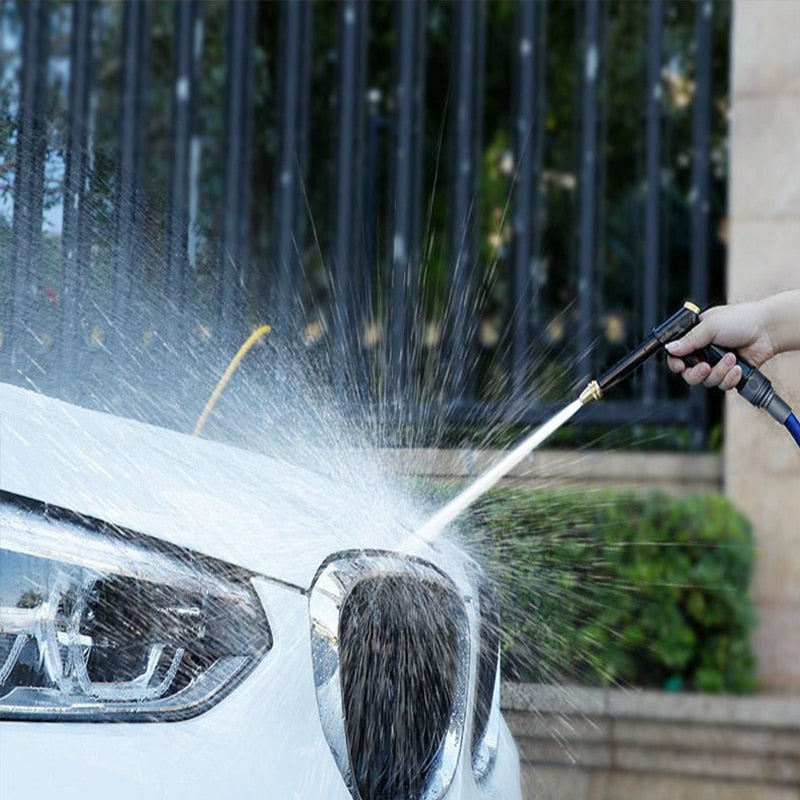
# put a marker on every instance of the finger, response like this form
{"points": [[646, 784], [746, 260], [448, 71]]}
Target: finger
{"points": [[720, 370], [676, 365], [731, 379], [696, 339], [695, 375]]}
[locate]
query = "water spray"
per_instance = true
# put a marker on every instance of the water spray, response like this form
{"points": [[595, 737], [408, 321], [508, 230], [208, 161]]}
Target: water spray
{"points": [[754, 387]]}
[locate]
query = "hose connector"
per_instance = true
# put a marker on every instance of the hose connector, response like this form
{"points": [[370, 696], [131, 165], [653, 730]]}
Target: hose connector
{"points": [[756, 388]]}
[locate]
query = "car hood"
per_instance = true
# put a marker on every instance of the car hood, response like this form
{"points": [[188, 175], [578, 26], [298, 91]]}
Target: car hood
{"points": [[268, 516]]}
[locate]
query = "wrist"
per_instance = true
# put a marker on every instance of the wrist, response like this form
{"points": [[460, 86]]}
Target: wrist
{"points": [[780, 314]]}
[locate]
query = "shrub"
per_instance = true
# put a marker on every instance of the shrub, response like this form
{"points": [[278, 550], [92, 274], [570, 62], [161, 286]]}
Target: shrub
{"points": [[607, 587]]}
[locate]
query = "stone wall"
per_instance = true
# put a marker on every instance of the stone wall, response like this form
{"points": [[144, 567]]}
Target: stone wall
{"points": [[762, 468], [599, 744]]}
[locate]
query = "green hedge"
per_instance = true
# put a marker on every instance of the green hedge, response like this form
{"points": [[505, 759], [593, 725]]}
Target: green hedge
{"points": [[604, 588]]}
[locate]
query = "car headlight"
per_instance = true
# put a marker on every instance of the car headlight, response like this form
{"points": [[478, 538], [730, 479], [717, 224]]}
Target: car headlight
{"points": [[99, 624]]}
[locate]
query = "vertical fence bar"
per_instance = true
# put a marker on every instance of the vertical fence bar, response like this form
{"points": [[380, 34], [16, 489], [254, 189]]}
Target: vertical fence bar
{"points": [[525, 187], [601, 174], [700, 190], [294, 81], [236, 159], [375, 124], [538, 194], [347, 245], [464, 202], [652, 231], [535, 324], [588, 184], [237, 156], [29, 170], [131, 156], [417, 236], [185, 97], [407, 144], [75, 223]]}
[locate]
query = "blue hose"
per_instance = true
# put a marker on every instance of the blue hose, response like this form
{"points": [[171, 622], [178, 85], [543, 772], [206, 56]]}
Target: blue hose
{"points": [[793, 426]]}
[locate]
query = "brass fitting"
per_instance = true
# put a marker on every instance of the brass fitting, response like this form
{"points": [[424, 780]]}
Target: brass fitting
{"points": [[591, 392]]}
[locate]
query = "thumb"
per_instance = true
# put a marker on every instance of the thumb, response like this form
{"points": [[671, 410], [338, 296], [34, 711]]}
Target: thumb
{"points": [[696, 339]]}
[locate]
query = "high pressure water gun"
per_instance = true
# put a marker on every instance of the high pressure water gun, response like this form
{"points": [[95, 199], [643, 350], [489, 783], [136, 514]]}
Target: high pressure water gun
{"points": [[754, 386]]}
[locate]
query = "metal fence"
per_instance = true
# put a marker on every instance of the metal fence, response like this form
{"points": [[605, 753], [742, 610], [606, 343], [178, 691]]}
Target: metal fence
{"points": [[461, 210]]}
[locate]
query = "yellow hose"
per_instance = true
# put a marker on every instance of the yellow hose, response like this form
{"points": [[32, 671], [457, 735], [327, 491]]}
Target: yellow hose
{"points": [[257, 334]]}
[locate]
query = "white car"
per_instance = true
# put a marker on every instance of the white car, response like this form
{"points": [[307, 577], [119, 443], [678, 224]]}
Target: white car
{"points": [[180, 618]]}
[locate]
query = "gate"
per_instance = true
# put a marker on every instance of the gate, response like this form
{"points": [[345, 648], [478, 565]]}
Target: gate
{"points": [[456, 211]]}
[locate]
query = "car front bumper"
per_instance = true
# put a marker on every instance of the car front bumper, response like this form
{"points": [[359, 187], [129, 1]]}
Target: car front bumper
{"points": [[264, 740]]}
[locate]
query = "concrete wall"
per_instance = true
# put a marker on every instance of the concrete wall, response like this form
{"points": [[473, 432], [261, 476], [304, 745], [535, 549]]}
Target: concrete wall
{"points": [[602, 744], [762, 468]]}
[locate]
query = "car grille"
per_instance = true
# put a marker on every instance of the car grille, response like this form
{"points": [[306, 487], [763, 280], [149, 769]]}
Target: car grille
{"points": [[399, 662], [391, 652]]}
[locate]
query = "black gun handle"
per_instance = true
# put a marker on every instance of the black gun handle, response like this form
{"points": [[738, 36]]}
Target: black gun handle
{"points": [[713, 355], [754, 386]]}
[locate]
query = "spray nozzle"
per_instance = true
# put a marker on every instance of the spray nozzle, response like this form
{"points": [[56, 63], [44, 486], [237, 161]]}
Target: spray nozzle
{"points": [[673, 328]]}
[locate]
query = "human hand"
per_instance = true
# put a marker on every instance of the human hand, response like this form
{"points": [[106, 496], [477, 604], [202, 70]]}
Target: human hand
{"points": [[742, 327]]}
